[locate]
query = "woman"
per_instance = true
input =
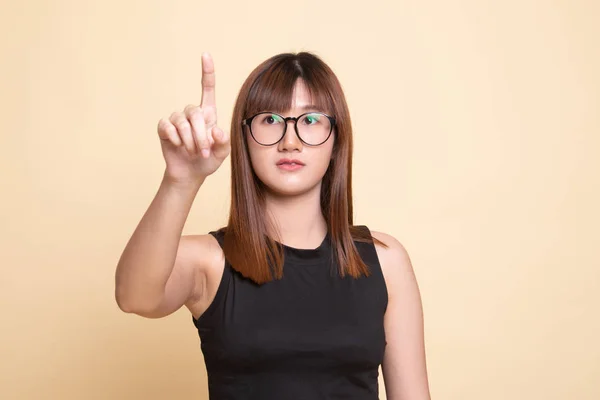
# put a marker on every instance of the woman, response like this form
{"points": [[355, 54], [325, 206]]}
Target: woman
{"points": [[290, 299]]}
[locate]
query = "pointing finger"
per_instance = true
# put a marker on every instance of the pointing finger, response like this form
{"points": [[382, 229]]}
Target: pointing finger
{"points": [[208, 81]]}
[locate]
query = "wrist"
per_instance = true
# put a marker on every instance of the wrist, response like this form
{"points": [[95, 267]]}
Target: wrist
{"points": [[185, 184]]}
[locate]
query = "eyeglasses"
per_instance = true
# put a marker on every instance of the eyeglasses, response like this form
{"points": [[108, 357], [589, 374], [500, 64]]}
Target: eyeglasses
{"points": [[268, 128]]}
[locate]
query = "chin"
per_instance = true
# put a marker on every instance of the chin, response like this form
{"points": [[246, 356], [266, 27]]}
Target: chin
{"points": [[287, 190], [288, 187]]}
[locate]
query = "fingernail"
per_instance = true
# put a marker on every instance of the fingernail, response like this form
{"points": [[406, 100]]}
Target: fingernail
{"points": [[205, 153]]}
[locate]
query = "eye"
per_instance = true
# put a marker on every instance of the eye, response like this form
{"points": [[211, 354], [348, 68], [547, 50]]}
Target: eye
{"points": [[272, 119], [311, 119]]}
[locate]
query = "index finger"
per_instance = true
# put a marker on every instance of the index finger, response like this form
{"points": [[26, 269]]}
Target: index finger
{"points": [[208, 81]]}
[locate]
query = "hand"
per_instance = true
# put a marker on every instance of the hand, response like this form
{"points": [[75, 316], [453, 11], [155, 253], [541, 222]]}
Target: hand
{"points": [[192, 144]]}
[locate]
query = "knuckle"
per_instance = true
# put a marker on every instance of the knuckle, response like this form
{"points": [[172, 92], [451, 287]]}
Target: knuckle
{"points": [[176, 116], [182, 123], [196, 114], [170, 129], [165, 126], [189, 109]]}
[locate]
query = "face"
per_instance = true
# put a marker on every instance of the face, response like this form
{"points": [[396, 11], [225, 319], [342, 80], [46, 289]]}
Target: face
{"points": [[289, 180]]}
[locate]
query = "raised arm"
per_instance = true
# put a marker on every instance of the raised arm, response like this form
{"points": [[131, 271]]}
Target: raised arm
{"points": [[159, 270]]}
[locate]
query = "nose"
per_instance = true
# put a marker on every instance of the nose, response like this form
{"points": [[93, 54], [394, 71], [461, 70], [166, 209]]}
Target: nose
{"points": [[290, 140]]}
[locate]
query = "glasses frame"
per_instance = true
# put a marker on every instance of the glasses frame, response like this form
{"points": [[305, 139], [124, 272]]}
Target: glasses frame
{"points": [[248, 122]]}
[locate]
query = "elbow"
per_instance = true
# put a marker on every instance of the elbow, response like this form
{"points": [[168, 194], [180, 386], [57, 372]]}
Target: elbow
{"points": [[129, 303], [124, 302], [124, 305]]}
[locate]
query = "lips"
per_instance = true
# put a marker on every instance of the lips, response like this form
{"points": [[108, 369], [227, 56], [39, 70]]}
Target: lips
{"points": [[289, 161]]}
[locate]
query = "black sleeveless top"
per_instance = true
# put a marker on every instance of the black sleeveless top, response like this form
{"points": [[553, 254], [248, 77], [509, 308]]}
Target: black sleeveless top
{"points": [[311, 335]]}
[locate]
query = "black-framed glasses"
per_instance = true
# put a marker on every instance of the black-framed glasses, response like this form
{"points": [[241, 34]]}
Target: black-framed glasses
{"points": [[268, 128]]}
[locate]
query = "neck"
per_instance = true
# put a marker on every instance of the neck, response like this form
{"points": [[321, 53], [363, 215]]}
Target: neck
{"points": [[299, 218]]}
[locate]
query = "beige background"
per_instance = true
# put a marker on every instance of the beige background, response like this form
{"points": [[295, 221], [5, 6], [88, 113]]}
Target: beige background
{"points": [[477, 142]]}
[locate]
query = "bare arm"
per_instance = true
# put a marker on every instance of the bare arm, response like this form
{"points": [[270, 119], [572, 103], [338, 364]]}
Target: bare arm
{"points": [[159, 270], [404, 365]]}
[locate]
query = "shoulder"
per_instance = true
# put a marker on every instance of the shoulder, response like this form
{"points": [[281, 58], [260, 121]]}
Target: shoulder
{"points": [[394, 254], [200, 250], [206, 251], [395, 262]]}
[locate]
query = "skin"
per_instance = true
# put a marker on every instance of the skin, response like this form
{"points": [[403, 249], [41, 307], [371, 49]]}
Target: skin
{"points": [[160, 271], [404, 366], [293, 196]]}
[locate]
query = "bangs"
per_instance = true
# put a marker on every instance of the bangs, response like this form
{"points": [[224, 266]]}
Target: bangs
{"points": [[273, 90]]}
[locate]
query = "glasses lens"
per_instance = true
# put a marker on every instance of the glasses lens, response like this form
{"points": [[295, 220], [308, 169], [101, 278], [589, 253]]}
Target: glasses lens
{"points": [[268, 128], [314, 128]]}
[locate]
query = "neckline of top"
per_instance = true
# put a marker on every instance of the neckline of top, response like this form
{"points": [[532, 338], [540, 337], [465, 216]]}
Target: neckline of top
{"points": [[307, 255]]}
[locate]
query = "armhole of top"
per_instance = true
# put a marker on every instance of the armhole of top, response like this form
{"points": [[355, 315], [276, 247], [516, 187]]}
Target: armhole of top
{"points": [[223, 284], [372, 251]]}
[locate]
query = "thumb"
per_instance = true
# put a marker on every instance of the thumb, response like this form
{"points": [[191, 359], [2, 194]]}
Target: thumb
{"points": [[221, 146]]}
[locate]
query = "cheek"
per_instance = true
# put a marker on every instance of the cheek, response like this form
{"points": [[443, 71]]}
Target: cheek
{"points": [[324, 160], [259, 160]]}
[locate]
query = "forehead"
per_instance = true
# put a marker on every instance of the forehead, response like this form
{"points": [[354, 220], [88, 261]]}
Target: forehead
{"points": [[300, 95], [302, 100]]}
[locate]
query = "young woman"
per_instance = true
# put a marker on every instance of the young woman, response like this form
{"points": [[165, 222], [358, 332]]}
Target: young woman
{"points": [[290, 299]]}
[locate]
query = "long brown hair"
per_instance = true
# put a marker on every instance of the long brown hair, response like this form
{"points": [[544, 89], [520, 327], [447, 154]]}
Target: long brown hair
{"points": [[247, 246]]}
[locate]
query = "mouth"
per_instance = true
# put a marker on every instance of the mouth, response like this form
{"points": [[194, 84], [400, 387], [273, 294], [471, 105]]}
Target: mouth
{"points": [[290, 166], [287, 161]]}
